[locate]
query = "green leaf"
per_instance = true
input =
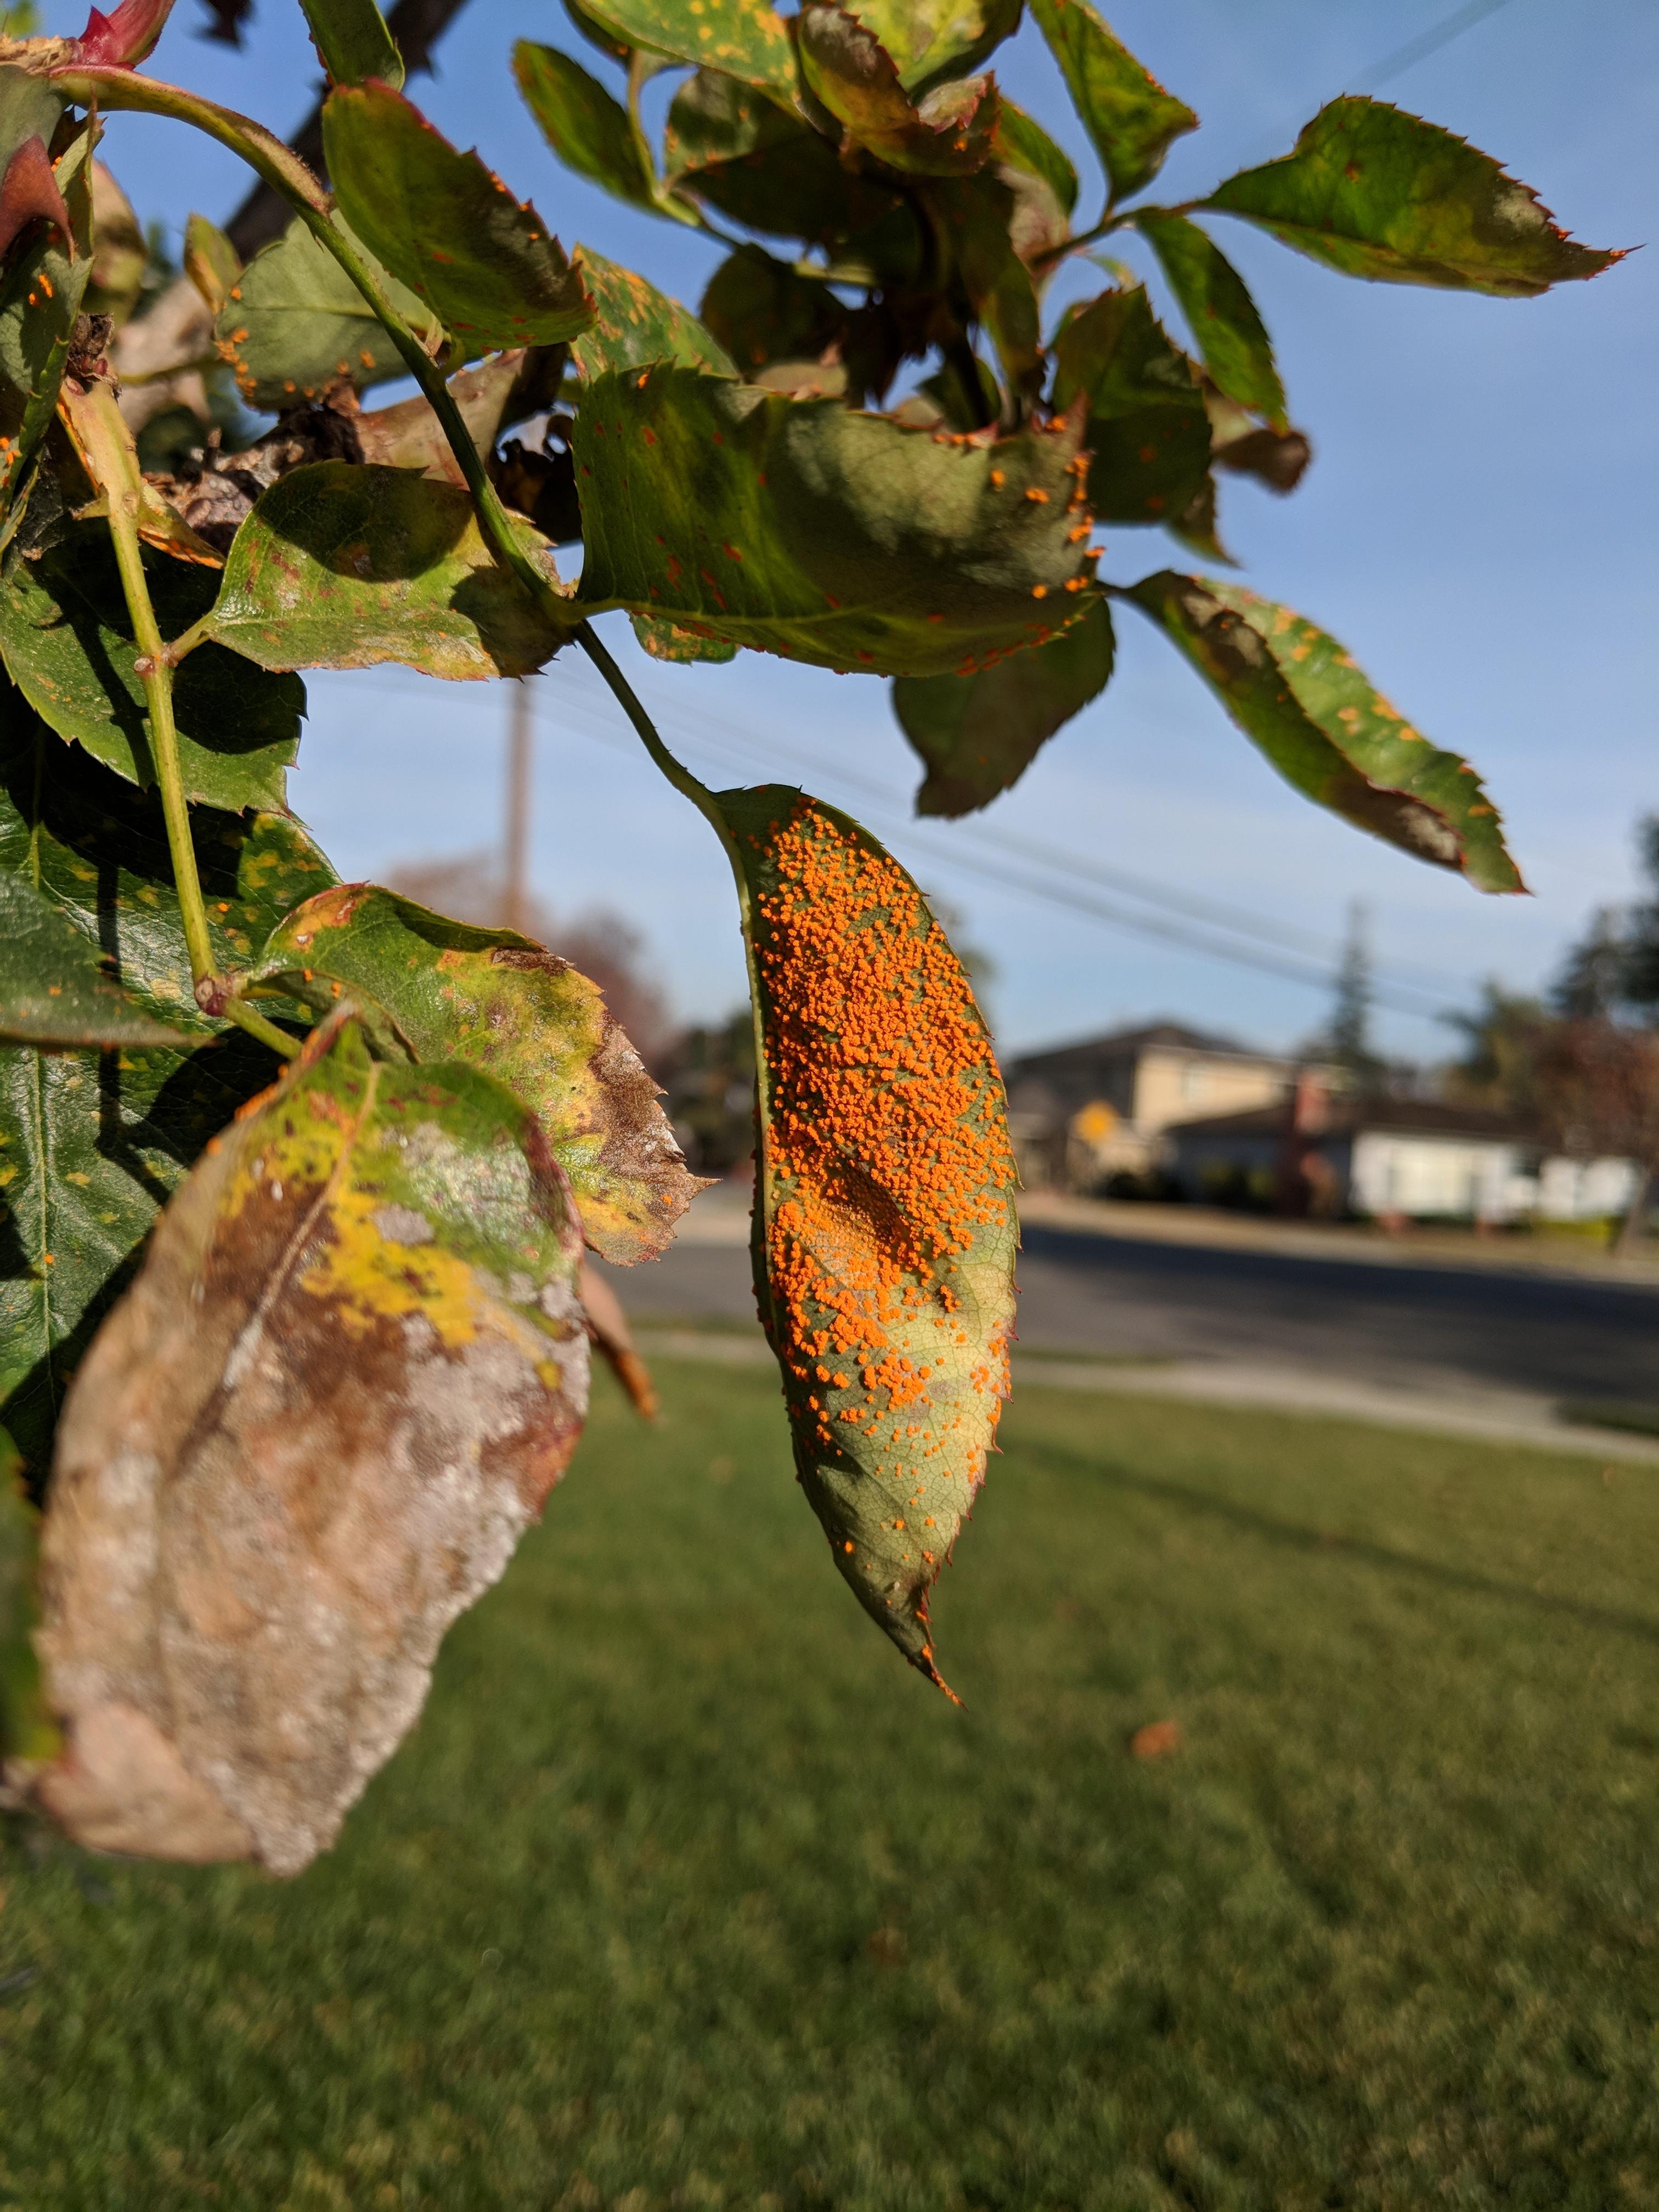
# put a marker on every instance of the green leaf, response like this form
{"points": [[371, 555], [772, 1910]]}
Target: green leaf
{"points": [[1221, 314], [211, 262], [588, 130], [767, 170], [353, 42], [296, 323], [1292, 689], [803, 528], [1376, 192], [1021, 143], [977, 216], [634, 323], [1131, 118], [977, 735], [341, 566], [56, 990], [30, 105], [486, 266], [761, 311], [741, 39], [1147, 431], [596, 35], [121, 257], [91, 1142], [40, 297], [667, 641], [25, 1726], [932, 39], [496, 1001], [883, 1228], [383, 1374], [850, 73], [66, 639]]}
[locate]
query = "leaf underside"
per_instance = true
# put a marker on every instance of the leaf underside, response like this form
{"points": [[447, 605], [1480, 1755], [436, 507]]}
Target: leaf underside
{"points": [[885, 1230]]}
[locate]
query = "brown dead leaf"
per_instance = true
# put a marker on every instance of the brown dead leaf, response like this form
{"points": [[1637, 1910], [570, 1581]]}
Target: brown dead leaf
{"points": [[1156, 1740], [349, 1372]]}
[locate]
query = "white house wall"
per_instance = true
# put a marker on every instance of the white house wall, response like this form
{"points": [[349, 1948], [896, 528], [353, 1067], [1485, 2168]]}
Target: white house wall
{"points": [[1463, 1178]]}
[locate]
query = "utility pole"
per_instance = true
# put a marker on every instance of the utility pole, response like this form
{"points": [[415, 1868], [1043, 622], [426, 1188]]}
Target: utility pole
{"points": [[515, 830]]}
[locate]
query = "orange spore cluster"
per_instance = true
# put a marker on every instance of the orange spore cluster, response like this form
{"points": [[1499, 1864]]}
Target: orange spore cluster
{"points": [[887, 1133]]}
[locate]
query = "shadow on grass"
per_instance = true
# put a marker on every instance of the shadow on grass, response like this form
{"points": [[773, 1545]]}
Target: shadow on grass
{"points": [[1293, 1536]]}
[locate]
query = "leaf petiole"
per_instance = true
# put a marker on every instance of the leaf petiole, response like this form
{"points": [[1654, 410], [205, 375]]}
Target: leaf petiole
{"points": [[187, 641]]}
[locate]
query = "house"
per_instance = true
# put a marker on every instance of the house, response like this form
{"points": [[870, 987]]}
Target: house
{"points": [[1081, 1113], [1408, 1159]]}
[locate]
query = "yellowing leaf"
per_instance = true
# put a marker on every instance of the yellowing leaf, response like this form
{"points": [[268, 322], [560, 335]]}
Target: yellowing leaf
{"points": [[494, 1001], [884, 1230], [351, 1368]]}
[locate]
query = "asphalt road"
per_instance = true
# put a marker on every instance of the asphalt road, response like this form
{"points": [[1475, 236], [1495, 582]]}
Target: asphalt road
{"points": [[1429, 1328]]}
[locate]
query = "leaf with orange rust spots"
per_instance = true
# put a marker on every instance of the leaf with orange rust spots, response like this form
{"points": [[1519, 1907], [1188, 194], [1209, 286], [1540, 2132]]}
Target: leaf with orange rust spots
{"points": [[41, 294], [741, 39], [342, 566], [1378, 193], [635, 324], [488, 268], [853, 75], [1291, 687], [883, 1228], [347, 1375], [293, 323], [443, 991], [802, 527]]}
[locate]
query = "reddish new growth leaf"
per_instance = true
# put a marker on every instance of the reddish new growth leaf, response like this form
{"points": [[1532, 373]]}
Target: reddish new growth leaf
{"points": [[29, 194], [124, 40]]}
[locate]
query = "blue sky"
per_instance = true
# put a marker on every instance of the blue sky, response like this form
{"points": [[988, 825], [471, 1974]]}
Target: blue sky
{"points": [[1477, 527]]}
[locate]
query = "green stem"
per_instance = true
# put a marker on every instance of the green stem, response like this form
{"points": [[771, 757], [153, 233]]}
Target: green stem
{"points": [[1109, 223], [187, 641], [157, 674], [249, 1019], [675, 770]]}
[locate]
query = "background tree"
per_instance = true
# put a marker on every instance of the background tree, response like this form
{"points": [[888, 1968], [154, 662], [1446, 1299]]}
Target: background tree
{"points": [[370, 1267]]}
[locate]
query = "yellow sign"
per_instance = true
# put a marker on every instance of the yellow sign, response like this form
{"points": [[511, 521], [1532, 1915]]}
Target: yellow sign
{"points": [[1095, 1123]]}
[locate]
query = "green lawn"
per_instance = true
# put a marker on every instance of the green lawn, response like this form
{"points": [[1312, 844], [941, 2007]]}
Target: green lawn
{"points": [[686, 1892]]}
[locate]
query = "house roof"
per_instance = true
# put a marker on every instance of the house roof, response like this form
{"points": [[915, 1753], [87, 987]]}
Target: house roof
{"points": [[1123, 1044], [1422, 1117]]}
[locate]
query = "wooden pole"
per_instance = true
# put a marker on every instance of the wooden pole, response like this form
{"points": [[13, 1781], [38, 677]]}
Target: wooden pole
{"points": [[515, 838]]}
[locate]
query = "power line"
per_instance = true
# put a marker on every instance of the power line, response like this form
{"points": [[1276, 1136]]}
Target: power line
{"points": [[1395, 64], [1193, 925], [1188, 906], [1190, 936]]}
